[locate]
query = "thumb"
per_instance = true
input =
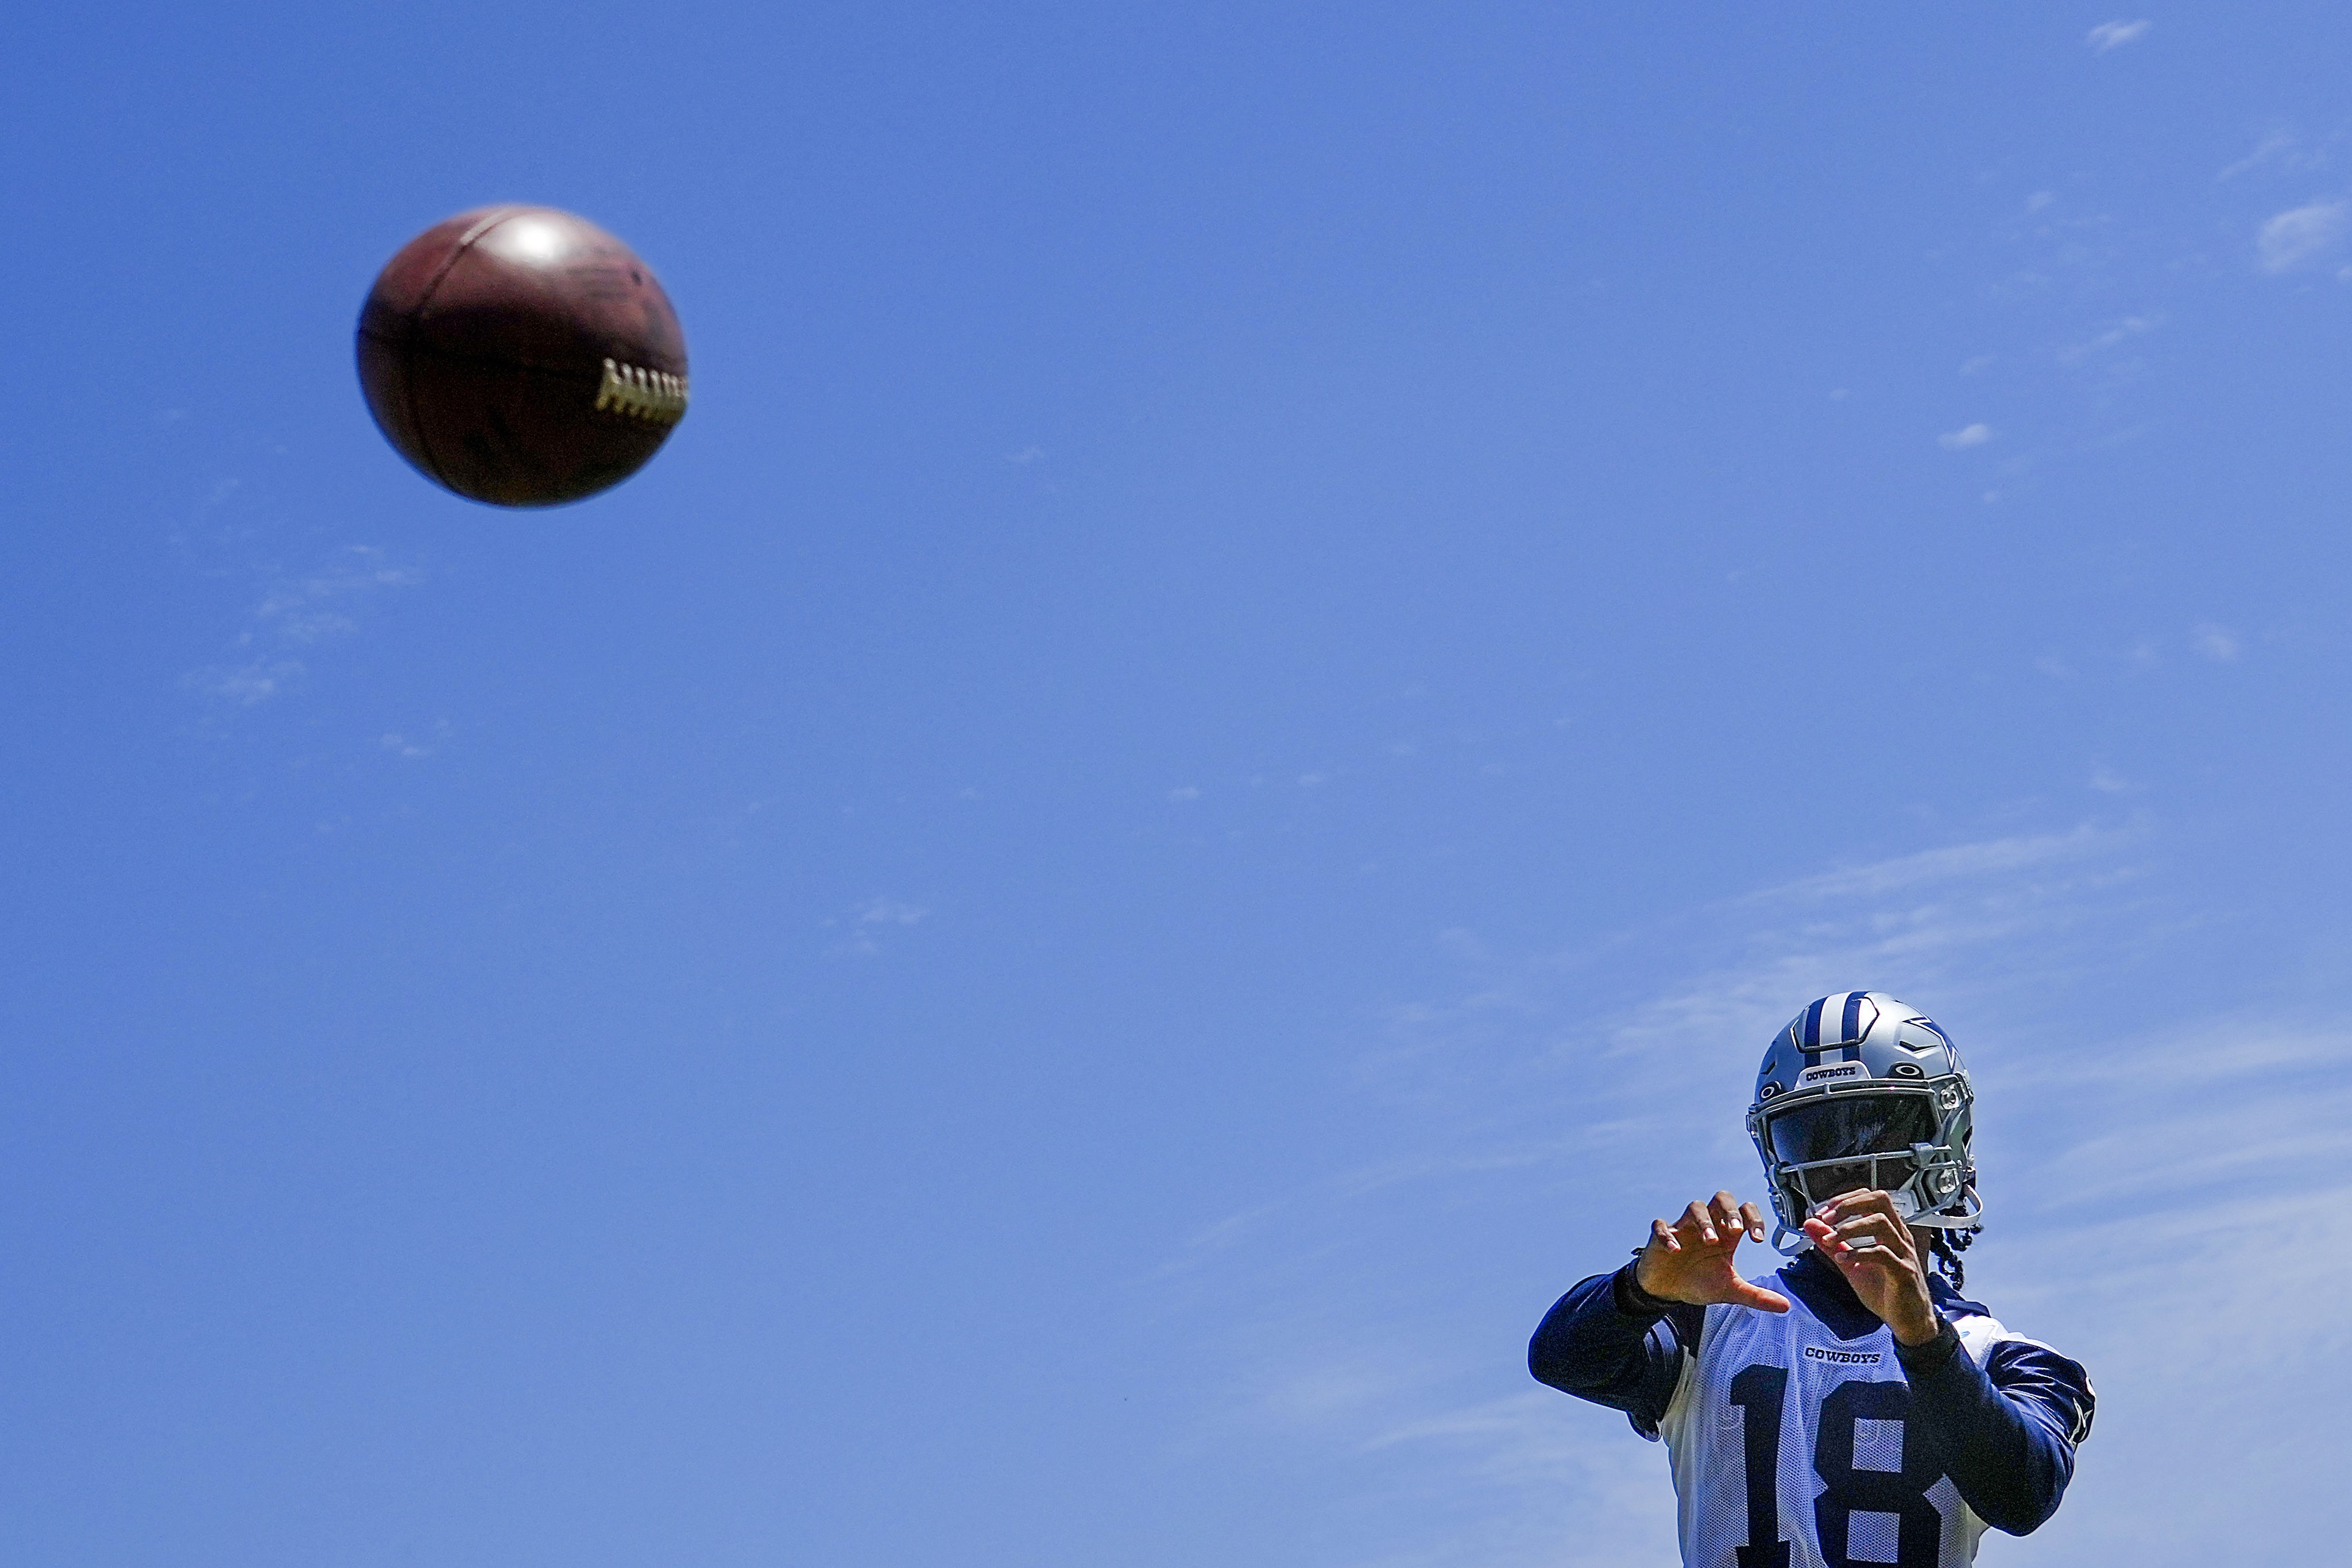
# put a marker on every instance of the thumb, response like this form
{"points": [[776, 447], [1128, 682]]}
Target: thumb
{"points": [[1744, 1294]]}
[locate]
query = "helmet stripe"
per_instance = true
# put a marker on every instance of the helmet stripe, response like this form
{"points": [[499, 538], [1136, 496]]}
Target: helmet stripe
{"points": [[1851, 1026], [1813, 1026]]}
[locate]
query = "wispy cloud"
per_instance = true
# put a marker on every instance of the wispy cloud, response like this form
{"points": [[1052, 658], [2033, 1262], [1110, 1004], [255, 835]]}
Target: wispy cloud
{"points": [[297, 612], [1966, 436], [2218, 643], [2300, 235], [1989, 857], [316, 605], [2277, 148], [865, 925], [415, 745], [2122, 333], [248, 684], [2115, 35]]}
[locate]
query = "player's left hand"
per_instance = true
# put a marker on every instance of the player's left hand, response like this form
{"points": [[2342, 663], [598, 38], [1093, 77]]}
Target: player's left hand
{"points": [[1865, 1240]]}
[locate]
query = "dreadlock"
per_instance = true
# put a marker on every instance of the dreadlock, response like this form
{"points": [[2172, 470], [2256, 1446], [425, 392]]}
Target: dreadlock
{"points": [[1947, 1247]]}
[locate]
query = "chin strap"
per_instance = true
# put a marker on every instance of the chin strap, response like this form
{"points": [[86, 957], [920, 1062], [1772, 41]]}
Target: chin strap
{"points": [[1971, 1214]]}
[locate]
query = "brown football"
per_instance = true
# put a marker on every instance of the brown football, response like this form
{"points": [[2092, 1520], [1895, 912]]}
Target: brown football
{"points": [[521, 356]]}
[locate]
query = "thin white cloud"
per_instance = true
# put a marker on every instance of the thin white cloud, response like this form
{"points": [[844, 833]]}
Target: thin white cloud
{"points": [[1987, 857], [248, 685], [2218, 643], [2278, 147], [2115, 35], [2122, 333], [866, 924], [415, 745], [2300, 235], [1966, 436], [299, 608], [299, 612]]}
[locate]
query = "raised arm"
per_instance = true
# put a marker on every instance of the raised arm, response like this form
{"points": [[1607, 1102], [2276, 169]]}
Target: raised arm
{"points": [[1590, 1346], [1618, 1339]]}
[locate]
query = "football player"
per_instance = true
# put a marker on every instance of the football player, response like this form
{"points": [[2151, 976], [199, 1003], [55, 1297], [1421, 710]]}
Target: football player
{"points": [[1852, 1408]]}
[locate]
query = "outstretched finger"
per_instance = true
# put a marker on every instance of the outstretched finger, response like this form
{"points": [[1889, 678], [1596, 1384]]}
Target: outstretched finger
{"points": [[1661, 1231], [1752, 1218], [1695, 1217], [1724, 1209], [1744, 1294]]}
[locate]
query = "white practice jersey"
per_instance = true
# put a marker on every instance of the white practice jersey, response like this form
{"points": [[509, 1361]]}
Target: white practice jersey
{"points": [[1788, 1448]]}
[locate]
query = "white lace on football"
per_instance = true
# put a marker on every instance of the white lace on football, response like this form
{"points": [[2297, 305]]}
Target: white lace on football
{"points": [[654, 396]]}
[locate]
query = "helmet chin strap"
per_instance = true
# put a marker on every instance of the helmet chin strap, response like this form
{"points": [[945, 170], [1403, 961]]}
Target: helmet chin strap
{"points": [[1971, 1214]]}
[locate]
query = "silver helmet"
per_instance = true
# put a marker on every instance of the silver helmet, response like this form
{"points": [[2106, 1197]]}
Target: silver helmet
{"points": [[1861, 1090]]}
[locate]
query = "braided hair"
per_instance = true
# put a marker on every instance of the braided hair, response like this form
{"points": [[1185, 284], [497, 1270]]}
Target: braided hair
{"points": [[1945, 1246]]}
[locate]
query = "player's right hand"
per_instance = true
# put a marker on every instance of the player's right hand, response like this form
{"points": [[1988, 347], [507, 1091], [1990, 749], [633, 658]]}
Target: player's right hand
{"points": [[1690, 1260]]}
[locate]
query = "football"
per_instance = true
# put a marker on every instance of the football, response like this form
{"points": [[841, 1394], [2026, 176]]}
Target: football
{"points": [[523, 357]]}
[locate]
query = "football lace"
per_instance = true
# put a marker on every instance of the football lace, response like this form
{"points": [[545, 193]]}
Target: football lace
{"points": [[655, 396]]}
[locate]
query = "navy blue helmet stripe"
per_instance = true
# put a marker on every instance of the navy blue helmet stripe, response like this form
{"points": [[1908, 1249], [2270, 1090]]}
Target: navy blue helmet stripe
{"points": [[1852, 1026], [1813, 1041]]}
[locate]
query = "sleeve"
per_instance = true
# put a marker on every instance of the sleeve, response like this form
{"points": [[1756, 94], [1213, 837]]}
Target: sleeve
{"points": [[2006, 1430], [1599, 1343]]}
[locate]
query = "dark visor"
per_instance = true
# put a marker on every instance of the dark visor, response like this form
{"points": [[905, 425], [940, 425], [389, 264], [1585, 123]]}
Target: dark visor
{"points": [[1846, 1125]]}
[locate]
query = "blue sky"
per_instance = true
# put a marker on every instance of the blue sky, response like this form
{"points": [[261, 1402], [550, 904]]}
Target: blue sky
{"points": [[1280, 637]]}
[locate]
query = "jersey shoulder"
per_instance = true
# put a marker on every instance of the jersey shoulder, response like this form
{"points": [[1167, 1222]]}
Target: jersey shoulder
{"points": [[2017, 1364]]}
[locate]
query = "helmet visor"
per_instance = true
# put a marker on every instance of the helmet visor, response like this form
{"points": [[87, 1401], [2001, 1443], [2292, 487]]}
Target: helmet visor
{"points": [[1850, 1126]]}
